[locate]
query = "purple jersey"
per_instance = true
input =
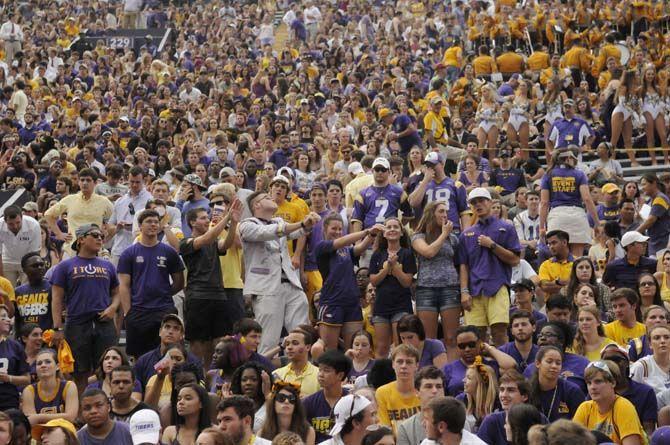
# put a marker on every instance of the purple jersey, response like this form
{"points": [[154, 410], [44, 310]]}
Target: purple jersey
{"points": [[374, 204], [320, 414], [510, 180], [659, 232], [353, 374], [150, 269], [451, 192], [88, 284], [337, 270], [563, 186], [12, 362]]}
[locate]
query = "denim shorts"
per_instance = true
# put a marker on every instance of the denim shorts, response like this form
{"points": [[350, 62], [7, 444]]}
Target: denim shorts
{"points": [[377, 319], [437, 299]]}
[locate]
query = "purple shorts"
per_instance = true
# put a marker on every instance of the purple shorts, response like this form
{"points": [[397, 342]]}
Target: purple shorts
{"points": [[338, 315]]}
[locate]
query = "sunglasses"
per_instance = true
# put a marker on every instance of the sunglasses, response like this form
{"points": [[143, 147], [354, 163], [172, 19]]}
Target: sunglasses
{"points": [[647, 284], [381, 170], [283, 398], [469, 344], [96, 235], [601, 366], [218, 203]]}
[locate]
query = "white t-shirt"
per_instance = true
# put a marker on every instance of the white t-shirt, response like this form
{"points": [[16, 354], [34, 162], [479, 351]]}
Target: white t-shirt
{"points": [[519, 272], [28, 239], [467, 438], [651, 374]]}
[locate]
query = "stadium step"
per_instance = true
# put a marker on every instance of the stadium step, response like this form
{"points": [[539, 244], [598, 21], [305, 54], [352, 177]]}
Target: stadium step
{"points": [[281, 32]]}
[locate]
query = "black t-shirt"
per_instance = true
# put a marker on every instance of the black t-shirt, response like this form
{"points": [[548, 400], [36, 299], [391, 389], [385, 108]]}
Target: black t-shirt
{"points": [[392, 297], [126, 417], [531, 166], [205, 281]]}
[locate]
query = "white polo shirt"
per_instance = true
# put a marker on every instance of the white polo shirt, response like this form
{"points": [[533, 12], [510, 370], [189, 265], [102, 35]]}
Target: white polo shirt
{"points": [[27, 240]]}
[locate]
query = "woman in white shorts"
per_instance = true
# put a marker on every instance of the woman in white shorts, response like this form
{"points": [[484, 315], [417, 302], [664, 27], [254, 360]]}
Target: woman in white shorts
{"points": [[518, 124], [653, 109], [487, 115], [622, 116]]}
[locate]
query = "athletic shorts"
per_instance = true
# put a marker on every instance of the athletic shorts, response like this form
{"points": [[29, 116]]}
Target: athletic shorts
{"points": [[88, 341], [487, 311], [332, 315]]}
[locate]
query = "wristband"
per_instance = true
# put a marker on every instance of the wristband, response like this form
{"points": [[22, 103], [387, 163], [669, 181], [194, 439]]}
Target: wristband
{"points": [[465, 290]]}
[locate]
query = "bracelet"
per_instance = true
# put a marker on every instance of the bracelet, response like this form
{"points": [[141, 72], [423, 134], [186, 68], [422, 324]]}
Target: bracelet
{"points": [[465, 290]]}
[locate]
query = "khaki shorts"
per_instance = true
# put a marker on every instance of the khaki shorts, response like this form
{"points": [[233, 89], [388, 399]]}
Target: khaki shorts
{"points": [[487, 311]]}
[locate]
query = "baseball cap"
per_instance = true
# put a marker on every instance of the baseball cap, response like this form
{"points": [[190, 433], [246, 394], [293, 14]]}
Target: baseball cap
{"points": [[383, 162], [83, 231], [347, 407], [433, 158], [124, 118], [30, 206], [195, 180], [614, 349], [633, 237], [355, 168], [569, 102], [661, 436], [304, 102], [225, 172], [505, 153], [610, 188], [319, 186], [173, 317], [384, 112], [36, 431], [145, 426], [479, 192], [280, 178], [435, 99], [525, 283]]}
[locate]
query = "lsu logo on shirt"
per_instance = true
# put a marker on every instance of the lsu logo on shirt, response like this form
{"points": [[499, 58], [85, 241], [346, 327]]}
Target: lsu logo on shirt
{"points": [[563, 408]]}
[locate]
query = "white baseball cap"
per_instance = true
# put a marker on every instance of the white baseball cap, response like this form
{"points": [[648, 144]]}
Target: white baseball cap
{"points": [[479, 192], [382, 162], [631, 237], [145, 427], [347, 407], [433, 158], [286, 171], [355, 168]]}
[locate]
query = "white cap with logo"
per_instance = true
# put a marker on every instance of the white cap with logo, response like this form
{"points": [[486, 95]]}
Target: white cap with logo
{"points": [[631, 237], [347, 407], [479, 192], [382, 162], [145, 427]]}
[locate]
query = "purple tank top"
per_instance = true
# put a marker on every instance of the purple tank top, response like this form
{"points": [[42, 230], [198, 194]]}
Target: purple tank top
{"points": [[53, 406]]}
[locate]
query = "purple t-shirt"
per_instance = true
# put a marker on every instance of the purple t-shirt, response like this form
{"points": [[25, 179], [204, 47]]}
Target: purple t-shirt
{"points": [[313, 240], [431, 349], [454, 373], [511, 350], [320, 414], [375, 204], [572, 370], [120, 435], [337, 270], [492, 429], [487, 273], [563, 186], [150, 269], [643, 397], [561, 402], [87, 283], [14, 358], [353, 374]]}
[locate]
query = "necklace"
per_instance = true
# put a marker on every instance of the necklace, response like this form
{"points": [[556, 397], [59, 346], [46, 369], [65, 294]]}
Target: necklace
{"points": [[551, 406]]}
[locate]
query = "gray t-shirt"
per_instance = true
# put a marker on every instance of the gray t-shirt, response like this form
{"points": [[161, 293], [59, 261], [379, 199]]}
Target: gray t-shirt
{"points": [[438, 271], [120, 435]]}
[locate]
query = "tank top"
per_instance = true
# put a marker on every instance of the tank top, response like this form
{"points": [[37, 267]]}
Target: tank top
{"points": [[56, 405], [665, 290]]}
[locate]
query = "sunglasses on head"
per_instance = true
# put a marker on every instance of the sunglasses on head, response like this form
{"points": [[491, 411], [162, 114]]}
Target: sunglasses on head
{"points": [[468, 344]]}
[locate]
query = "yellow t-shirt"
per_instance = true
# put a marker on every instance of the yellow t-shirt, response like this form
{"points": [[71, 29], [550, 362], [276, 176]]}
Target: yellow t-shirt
{"points": [[95, 210], [620, 422], [6, 287], [550, 270], [355, 186], [594, 356], [307, 379], [434, 124], [510, 63], [451, 56], [231, 266], [621, 334], [166, 390], [393, 408]]}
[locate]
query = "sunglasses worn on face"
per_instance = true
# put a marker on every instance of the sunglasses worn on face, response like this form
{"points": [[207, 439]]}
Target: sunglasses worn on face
{"points": [[381, 170], [469, 344], [282, 398], [647, 284], [95, 235]]}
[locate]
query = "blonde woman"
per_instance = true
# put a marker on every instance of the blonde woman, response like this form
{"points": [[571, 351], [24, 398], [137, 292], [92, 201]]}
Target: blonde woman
{"points": [[520, 114], [480, 388], [590, 338], [487, 116]]}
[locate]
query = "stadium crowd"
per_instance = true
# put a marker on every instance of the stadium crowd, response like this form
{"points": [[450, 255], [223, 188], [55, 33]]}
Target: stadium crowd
{"points": [[344, 222]]}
